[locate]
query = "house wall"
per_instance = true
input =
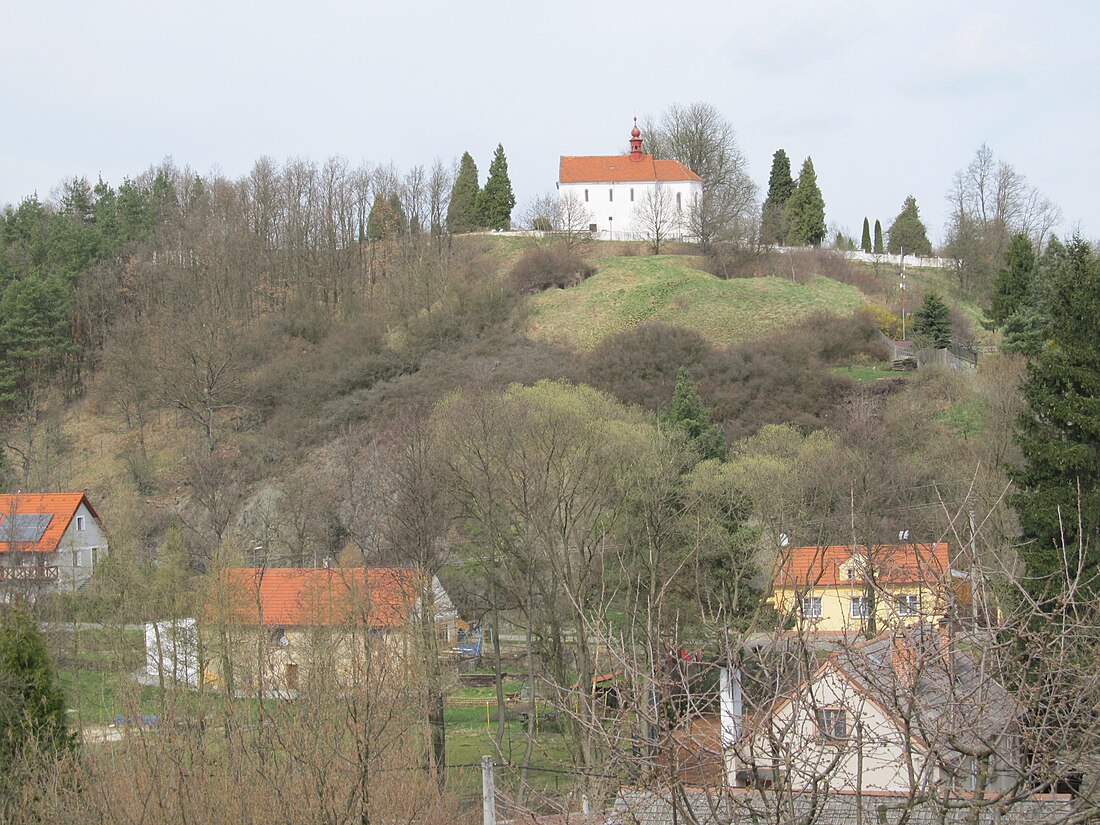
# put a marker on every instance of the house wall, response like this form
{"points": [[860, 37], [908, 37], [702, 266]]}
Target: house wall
{"points": [[836, 604], [79, 550], [874, 757], [608, 201]]}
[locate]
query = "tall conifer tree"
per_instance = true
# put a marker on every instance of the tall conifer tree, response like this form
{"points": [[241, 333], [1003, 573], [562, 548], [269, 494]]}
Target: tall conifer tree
{"points": [[865, 242], [773, 228], [878, 237], [1059, 484], [462, 213], [806, 210], [907, 233], [496, 201]]}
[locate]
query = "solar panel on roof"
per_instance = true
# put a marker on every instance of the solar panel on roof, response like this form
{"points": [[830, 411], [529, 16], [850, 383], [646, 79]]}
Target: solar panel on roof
{"points": [[24, 528]]}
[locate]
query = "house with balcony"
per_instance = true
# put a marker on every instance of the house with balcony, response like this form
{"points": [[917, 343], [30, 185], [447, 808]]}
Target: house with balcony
{"points": [[49, 542], [849, 590]]}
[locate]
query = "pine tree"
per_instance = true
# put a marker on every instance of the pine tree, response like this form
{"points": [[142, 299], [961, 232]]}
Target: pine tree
{"points": [[933, 321], [907, 233], [688, 413], [865, 242], [878, 237], [32, 705], [1058, 502], [496, 201], [462, 211], [1012, 287], [806, 210], [773, 227]]}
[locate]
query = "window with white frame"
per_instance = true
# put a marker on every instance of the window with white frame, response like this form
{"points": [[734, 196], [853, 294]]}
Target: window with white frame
{"points": [[909, 605], [586, 196], [861, 607], [679, 208], [632, 194], [80, 522], [811, 607], [832, 723], [611, 194]]}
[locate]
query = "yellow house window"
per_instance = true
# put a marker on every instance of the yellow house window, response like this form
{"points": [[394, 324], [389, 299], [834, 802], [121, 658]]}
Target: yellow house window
{"points": [[861, 607], [909, 605], [811, 607]]}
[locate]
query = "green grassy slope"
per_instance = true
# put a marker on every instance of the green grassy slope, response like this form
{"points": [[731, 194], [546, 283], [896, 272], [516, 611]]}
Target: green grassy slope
{"points": [[627, 291]]}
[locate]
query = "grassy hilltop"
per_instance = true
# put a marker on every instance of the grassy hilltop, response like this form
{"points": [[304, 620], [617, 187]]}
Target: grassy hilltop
{"points": [[627, 291]]}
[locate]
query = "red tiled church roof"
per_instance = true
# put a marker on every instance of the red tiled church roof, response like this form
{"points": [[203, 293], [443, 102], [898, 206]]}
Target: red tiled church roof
{"points": [[621, 169], [60, 506], [382, 597], [893, 564]]}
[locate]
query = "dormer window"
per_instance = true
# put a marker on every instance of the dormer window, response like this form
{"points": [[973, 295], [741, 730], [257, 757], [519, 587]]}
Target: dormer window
{"points": [[80, 523]]}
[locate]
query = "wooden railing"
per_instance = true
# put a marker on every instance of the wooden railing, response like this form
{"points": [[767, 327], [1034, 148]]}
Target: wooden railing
{"points": [[28, 574]]}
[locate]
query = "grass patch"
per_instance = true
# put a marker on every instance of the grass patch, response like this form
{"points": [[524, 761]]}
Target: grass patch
{"points": [[864, 373], [626, 292]]}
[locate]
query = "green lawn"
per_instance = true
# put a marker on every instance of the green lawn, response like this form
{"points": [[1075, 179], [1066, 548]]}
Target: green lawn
{"points": [[863, 373], [628, 291]]}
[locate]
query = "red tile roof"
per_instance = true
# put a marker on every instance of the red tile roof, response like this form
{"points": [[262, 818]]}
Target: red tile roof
{"points": [[621, 169], [385, 597], [893, 563], [61, 506]]}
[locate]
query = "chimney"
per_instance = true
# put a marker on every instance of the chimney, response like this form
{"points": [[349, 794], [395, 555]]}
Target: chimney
{"points": [[904, 660], [731, 709]]}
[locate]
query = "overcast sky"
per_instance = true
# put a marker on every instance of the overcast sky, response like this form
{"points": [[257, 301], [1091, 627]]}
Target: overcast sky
{"points": [[888, 98]]}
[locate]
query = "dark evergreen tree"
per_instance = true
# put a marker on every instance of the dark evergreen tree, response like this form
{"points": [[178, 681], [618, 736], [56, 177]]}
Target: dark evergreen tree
{"points": [[933, 321], [865, 242], [806, 210], [773, 227], [878, 250], [1059, 483], [462, 210], [32, 705], [1012, 287], [496, 201], [688, 413], [907, 233]]}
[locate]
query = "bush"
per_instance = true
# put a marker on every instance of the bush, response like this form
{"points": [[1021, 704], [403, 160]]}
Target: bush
{"points": [[551, 266], [887, 322]]}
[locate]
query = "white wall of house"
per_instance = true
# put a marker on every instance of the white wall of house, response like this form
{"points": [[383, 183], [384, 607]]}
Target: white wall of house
{"points": [[873, 757], [612, 205], [82, 547]]}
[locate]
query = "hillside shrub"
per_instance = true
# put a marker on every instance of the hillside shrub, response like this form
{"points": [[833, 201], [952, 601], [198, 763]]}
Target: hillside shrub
{"points": [[549, 266], [886, 321], [640, 365]]}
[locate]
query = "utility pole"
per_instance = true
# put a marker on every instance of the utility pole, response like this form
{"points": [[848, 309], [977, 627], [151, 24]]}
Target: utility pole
{"points": [[488, 793]]}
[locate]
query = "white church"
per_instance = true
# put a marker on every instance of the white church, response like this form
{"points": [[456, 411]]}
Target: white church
{"points": [[610, 189]]}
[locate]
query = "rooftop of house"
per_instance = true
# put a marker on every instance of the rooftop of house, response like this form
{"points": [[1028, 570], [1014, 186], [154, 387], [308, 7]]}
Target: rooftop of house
{"points": [[622, 169], [380, 597], [924, 680], [36, 522], [887, 564]]}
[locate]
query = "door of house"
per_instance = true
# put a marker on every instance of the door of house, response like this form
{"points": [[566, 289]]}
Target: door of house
{"points": [[291, 676]]}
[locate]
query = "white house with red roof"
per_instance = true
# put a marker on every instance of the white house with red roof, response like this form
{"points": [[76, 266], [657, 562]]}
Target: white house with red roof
{"points": [[49, 541], [297, 621], [611, 189]]}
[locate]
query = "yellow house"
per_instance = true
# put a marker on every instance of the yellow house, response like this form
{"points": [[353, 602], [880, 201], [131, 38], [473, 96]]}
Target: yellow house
{"points": [[839, 588]]}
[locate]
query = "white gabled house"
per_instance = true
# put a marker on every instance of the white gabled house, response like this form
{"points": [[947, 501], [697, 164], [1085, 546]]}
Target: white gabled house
{"points": [[612, 190], [903, 713], [49, 542]]}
